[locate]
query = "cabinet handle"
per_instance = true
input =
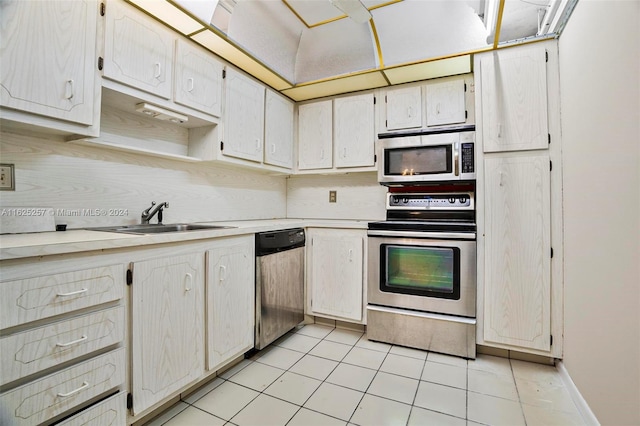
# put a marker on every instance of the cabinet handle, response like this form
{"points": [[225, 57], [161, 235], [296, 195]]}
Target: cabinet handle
{"points": [[273, 148], [501, 179], [322, 154], [64, 395], [158, 70], [72, 293], [258, 145], [344, 152], [69, 94], [456, 159], [350, 255], [438, 109], [409, 112], [223, 272], [64, 345], [190, 85], [190, 281], [499, 130]]}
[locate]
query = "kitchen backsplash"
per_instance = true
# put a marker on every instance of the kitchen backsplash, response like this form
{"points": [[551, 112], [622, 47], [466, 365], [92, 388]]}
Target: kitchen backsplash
{"points": [[89, 186]]}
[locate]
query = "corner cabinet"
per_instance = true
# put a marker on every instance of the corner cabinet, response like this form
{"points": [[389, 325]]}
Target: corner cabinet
{"points": [[230, 299], [50, 64], [243, 117], [519, 200], [167, 326], [335, 273], [278, 130]]}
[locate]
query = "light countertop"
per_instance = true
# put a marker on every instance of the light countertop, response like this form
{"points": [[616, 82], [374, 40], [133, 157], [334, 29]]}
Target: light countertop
{"points": [[15, 246]]}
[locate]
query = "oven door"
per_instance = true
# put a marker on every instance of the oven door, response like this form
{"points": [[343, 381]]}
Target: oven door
{"points": [[426, 274]]}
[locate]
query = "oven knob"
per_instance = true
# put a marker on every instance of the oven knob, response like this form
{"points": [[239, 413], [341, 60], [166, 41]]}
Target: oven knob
{"points": [[452, 200], [405, 200], [463, 200]]}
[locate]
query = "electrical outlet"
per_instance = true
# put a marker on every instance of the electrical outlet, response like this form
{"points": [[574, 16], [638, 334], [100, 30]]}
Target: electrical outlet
{"points": [[333, 195], [7, 177]]}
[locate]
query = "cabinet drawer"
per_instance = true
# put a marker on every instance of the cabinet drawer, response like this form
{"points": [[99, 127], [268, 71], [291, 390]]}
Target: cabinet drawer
{"points": [[42, 297], [110, 412], [31, 351], [44, 399]]}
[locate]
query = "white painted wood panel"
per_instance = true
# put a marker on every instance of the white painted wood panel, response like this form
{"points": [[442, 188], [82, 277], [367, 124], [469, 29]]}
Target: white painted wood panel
{"points": [[445, 102], [167, 305], [230, 299], [514, 99], [32, 299], [278, 130], [354, 134], [28, 352], [198, 79], [138, 50], [49, 58], [110, 412], [403, 108], [243, 117], [336, 276], [41, 400], [517, 251], [315, 136]]}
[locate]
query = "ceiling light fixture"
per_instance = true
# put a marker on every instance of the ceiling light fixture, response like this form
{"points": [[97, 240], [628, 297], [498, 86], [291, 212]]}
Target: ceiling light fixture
{"points": [[354, 9], [160, 113]]}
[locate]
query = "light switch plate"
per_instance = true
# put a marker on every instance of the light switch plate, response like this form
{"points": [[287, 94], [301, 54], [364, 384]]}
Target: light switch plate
{"points": [[7, 177]]}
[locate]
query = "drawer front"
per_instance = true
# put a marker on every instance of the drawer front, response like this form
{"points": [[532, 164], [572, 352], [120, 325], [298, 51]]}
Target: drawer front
{"points": [[44, 399], [110, 412], [42, 297], [31, 351]]}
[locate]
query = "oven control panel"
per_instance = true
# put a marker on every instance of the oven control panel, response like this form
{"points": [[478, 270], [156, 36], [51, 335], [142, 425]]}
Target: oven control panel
{"points": [[441, 201]]}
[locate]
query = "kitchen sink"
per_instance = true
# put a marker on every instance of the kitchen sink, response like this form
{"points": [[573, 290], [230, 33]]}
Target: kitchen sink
{"points": [[159, 228]]}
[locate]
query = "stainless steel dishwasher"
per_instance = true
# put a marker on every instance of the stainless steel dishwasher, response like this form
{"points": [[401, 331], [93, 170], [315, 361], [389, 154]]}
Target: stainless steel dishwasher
{"points": [[279, 283]]}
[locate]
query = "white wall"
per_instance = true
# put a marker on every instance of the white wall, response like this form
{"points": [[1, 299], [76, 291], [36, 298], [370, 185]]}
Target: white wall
{"points": [[600, 94], [51, 173]]}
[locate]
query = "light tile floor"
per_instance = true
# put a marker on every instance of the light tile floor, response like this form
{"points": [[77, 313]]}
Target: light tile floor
{"points": [[318, 375]]}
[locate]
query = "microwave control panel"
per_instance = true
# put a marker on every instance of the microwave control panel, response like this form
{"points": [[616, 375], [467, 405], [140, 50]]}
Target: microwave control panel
{"points": [[467, 155]]}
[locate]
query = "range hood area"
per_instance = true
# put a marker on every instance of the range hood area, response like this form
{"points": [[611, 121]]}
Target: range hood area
{"points": [[311, 49]]}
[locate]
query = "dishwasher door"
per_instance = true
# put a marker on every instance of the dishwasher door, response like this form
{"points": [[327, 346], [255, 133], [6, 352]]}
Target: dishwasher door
{"points": [[279, 294]]}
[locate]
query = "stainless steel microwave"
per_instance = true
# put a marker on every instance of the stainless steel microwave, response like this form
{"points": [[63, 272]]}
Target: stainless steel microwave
{"points": [[426, 158]]}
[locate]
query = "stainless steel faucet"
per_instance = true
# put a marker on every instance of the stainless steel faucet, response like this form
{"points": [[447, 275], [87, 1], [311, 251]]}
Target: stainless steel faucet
{"points": [[148, 214]]}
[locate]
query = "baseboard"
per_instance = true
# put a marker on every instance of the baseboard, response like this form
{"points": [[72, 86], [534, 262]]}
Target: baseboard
{"points": [[584, 409]]}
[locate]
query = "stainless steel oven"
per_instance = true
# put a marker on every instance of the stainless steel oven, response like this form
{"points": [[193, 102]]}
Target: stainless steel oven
{"points": [[422, 272]]}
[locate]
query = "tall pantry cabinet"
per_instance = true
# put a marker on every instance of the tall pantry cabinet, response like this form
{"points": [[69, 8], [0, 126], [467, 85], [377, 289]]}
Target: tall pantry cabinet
{"points": [[519, 199]]}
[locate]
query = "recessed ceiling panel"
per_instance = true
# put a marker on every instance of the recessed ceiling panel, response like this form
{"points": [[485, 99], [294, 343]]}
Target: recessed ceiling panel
{"points": [[314, 12], [352, 83]]}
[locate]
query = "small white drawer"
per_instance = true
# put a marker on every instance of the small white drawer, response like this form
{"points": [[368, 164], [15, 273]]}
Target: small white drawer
{"points": [[110, 412], [58, 393], [32, 299], [31, 351]]}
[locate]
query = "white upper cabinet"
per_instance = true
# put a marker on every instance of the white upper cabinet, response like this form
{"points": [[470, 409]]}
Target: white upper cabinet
{"points": [[354, 133], [278, 130], [404, 108], [445, 102], [49, 61], [198, 79], [243, 117], [517, 305], [138, 50], [514, 100], [315, 141]]}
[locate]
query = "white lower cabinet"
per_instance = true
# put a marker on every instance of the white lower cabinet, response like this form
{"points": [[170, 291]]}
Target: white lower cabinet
{"points": [[335, 274], [110, 412], [230, 299], [167, 305]]}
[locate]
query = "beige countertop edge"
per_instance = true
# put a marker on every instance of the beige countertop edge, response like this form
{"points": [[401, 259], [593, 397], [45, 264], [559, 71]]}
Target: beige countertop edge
{"points": [[15, 246]]}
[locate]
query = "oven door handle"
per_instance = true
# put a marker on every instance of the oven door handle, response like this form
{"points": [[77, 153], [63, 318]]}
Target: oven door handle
{"points": [[421, 234]]}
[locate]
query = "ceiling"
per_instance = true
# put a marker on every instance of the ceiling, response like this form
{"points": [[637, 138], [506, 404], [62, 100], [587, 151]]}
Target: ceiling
{"points": [[308, 49]]}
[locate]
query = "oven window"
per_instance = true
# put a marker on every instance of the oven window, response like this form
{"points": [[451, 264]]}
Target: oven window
{"points": [[419, 270], [418, 161]]}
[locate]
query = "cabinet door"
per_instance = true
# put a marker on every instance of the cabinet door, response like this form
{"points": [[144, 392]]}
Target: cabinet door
{"points": [[517, 251], [198, 79], [315, 141], [278, 130], [514, 99], [167, 326], [445, 102], [230, 299], [243, 117], [354, 131], [138, 50], [48, 56], [404, 108], [336, 273]]}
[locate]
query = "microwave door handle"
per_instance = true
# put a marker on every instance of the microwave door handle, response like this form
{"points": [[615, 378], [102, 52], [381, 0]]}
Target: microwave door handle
{"points": [[456, 157]]}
